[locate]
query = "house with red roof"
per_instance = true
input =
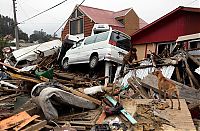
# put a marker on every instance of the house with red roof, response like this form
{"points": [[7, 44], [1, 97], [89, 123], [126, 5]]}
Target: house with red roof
{"points": [[163, 33], [83, 18]]}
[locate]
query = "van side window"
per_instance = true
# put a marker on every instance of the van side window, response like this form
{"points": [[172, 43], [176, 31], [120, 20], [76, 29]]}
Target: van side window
{"points": [[102, 37], [121, 40], [90, 40]]}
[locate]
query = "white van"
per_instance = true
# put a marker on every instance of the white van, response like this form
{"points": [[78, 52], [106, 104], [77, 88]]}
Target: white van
{"points": [[108, 46]]}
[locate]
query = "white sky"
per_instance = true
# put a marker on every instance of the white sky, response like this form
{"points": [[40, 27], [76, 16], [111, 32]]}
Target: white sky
{"points": [[149, 10]]}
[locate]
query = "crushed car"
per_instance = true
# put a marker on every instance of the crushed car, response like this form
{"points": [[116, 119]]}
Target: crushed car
{"points": [[26, 55]]}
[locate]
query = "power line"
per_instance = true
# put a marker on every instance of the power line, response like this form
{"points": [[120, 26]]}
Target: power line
{"points": [[67, 19], [191, 2], [43, 11]]}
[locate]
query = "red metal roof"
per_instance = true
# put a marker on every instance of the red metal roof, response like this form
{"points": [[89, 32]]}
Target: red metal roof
{"points": [[155, 27], [108, 16]]}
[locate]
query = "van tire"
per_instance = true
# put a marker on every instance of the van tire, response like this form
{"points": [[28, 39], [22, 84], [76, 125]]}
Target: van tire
{"points": [[93, 61], [65, 64]]}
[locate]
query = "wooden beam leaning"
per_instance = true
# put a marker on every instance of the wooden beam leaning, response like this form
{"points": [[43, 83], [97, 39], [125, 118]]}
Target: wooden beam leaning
{"points": [[196, 83], [138, 88], [193, 58]]}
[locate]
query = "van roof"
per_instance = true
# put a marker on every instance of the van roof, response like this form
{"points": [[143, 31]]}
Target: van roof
{"points": [[188, 37]]}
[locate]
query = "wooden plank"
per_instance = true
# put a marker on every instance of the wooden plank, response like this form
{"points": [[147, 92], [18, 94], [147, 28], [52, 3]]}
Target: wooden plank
{"points": [[191, 75], [14, 120], [178, 75], [9, 66], [180, 118], [17, 76], [101, 118], [138, 88], [98, 102], [9, 96], [36, 127], [25, 122], [85, 123], [79, 128], [193, 59]]}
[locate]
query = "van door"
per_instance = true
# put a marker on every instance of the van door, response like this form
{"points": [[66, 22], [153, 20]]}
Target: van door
{"points": [[73, 53], [86, 49]]}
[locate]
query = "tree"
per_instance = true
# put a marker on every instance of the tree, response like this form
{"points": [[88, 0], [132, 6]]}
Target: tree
{"points": [[40, 36], [7, 28]]}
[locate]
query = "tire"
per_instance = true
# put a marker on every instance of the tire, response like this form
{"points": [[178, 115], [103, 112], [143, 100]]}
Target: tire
{"points": [[93, 61], [65, 64]]}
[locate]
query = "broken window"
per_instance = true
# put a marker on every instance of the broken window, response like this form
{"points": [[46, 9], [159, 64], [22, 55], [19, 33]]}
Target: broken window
{"points": [[121, 21]]}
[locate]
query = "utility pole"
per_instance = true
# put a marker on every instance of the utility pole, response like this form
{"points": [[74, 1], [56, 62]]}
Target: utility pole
{"points": [[16, 27]]}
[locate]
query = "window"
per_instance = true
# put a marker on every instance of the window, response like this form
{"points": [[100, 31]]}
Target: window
{"points": [[164, 49], [76, 23], [90, 40], [194, 44], [122, 41], [102, 37], [76, 26], [121, 21]]}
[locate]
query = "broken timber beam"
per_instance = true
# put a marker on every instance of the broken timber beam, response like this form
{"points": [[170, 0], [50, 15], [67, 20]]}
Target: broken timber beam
{"points": [[9, 96], [36, 127], [9, 66], [17, 76], [196, 83], [98, 102], [193, 59], [138, 88]]}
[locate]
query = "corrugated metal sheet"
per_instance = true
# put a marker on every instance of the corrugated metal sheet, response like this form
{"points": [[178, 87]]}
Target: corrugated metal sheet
{"points": [[167, 72]]}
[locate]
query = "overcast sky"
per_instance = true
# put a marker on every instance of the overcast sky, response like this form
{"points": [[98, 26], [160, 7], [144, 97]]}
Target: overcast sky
{"points": [[149, 10]]}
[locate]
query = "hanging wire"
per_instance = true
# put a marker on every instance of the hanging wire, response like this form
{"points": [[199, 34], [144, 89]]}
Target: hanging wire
{"points": [[43, 12]]}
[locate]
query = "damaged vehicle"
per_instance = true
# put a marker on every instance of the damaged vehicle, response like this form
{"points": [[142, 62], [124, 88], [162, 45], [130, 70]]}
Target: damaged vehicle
{"points": [[106, 46], [26, 55]]}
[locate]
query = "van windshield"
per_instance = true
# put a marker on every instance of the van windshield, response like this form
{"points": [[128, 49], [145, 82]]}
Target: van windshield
{"points": [[122, 41]]}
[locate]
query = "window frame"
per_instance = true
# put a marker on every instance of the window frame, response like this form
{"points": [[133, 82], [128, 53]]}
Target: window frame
{"points": [[79, 29]]}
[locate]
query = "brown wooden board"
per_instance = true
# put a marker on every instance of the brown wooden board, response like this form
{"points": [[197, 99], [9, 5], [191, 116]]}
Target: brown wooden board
{"points": [[180, 118]]}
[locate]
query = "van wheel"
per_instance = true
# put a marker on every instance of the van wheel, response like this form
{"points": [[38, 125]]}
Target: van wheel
{"points": [[65, 64], [93, 61]]}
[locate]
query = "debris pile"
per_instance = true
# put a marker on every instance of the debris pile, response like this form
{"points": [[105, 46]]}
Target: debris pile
{"points": [[42, 96]]}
